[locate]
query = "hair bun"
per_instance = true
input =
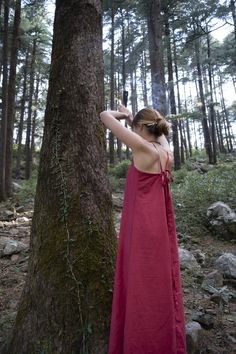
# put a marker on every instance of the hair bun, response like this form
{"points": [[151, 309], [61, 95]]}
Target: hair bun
{"points": [[163, 127], [153, 120]]}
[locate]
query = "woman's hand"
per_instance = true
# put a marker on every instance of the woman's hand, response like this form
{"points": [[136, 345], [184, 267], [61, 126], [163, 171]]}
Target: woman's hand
{"points": [[125, 110]]}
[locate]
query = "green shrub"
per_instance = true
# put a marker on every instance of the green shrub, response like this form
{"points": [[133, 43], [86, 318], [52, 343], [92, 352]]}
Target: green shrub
{"points": [[180, 175], [120, 170], [197, 192], [27, 191], [117, 184]]}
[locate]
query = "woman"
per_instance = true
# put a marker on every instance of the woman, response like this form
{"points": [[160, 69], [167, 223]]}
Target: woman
{"points": [[147, 309]]}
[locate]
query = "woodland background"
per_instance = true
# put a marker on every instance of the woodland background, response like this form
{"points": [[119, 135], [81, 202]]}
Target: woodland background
{"points": [[62, 174], [179, 67]]}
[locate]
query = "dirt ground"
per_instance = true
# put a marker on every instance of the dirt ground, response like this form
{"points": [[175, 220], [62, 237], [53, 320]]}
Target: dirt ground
{"points": [[218, 336]]}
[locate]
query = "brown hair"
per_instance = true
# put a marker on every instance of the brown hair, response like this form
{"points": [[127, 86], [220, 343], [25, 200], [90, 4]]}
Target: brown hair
{"points": [[153, 120]]}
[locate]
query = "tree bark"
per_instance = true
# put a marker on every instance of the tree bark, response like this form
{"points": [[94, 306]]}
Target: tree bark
{"points": [[11, 99], [112, 81], [29, 118], [207, 139], [180, 125], [187, 121], [3, 135], [123, 46], [143, 71], [35, 113], [211, 105], [1, 1], [174, 121], [66, 302], [135, 91], [233, 11], [119, 87], [228, 134], [155, 29], [21, 123]]}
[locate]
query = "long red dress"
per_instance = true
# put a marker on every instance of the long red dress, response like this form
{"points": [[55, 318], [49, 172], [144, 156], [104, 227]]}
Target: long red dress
{"points": [[147, 308]]}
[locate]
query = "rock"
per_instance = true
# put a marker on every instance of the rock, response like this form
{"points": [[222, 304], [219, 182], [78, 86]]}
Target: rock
{"points": [[193, 337], [117, 201], [22, 219], [212, 280], [20, 209], [211, 311], [222, 220], [24, 268], [231, 282], [231, 337], [206, 168], [7, 215], [193, 167], [14, 258], [227, 264], [231, 317], [9, 246], [199, 255], [218, 209], [222, 295], [16, 186], [205, 319], [3, 241], [187, 259]]}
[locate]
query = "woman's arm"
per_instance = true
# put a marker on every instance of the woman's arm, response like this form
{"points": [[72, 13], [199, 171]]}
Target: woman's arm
{"points": [[129, 118], [164, 142], [128, 137]]}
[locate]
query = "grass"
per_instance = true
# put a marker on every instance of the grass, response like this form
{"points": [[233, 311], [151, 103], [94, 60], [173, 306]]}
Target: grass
{"points": [[193, 193], [27, 191]]}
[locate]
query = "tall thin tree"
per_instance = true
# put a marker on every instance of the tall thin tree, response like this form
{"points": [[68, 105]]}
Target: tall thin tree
{"points": [[155, 33], [3, 135], [11, 99]]}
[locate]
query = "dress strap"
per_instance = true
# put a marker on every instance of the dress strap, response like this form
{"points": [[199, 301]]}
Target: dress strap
{"points": [[168, 172], [160, 159], [167, 159]]}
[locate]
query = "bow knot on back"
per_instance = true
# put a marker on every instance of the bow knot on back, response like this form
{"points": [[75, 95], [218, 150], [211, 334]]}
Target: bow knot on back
{"points": [[166, 177]]}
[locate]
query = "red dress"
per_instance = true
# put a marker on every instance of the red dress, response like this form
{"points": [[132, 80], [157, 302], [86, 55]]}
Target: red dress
{"points": [[147, 308]]}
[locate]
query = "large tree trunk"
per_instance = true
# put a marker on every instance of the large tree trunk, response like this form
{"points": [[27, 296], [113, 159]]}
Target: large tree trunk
{"points": [[66, 302], [11, 98], [155, 29], [3, 135]]}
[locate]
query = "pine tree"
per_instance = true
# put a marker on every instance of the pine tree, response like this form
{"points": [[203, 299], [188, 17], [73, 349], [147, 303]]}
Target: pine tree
{"points": [[66, 302]]}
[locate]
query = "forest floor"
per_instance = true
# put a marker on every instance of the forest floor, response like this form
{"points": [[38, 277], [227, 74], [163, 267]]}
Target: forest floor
{"points": [[218, 334]]}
